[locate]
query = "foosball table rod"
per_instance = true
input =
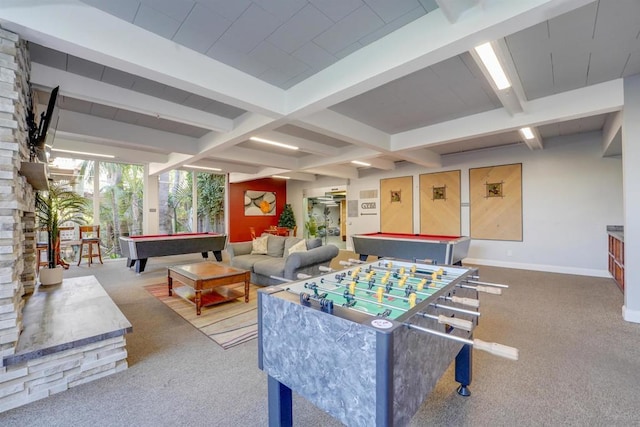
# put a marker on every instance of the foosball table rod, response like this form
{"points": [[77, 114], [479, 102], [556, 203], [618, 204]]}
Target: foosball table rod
{"points": [[466, 325], [490, 347], [354, 298], [422, 293], [456, 309]]}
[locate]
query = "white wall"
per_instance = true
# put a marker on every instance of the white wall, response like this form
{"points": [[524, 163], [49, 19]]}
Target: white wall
{"points": [[298, 190], [570, 194], [631, 156]]}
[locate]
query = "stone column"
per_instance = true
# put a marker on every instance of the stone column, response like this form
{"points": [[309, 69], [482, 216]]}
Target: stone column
{"points": [[17, 220]]}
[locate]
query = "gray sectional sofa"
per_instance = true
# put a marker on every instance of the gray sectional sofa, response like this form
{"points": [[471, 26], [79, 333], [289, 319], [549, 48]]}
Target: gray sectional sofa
{"points": [[277, 262]]}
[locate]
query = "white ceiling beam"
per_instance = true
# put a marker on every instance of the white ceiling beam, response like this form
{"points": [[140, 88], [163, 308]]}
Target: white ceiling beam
{"points": [[452, 9], [121, 154], [300, 176], [345, 157], [417, 45], [612, 135], [305, 145], [592, 100], [89, 33], [337, 171], [425, 158], [512, 97], [383, 164], [256, 157], [176, 159], [119, 132], [269, 173], [86, 89], [225, 166], [245, 126], [341, 127], [211, 144], [534, 143]]}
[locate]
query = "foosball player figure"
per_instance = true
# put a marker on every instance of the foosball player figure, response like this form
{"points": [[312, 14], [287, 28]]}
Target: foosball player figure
{"points": [[350, 301]]}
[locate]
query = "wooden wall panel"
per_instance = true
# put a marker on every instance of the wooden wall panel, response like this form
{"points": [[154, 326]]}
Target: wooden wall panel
{"points": [[440, 203], [495, 196], [396, 205]]}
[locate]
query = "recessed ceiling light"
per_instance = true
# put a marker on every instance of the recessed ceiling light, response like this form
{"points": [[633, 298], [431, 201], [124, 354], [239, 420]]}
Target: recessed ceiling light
{"points": [[204, 168], [358, 162], [280, 176], [490, 61], [277, 144], [83, 153], [527, 133]]}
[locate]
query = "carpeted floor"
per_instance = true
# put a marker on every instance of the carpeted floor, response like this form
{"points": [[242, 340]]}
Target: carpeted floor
{"points": [[579, 363], [228, 325]]}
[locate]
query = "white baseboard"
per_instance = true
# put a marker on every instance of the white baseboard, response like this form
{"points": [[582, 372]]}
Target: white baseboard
{"points": [[540, 267], [630, 315]]}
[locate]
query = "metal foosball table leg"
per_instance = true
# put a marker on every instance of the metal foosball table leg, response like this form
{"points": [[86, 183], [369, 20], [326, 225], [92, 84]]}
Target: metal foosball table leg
{"points": [[280, 404], [463, 369]]}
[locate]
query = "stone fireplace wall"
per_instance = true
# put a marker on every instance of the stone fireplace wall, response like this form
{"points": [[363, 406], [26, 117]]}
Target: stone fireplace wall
{"points": [[17, 220], [27, 373]]}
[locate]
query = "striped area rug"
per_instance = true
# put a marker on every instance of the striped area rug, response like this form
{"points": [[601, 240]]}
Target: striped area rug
{"points": [[228, 324]]}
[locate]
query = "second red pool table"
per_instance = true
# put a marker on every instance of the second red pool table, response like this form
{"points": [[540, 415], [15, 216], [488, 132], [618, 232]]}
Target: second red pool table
{"points": [[439, 249]]}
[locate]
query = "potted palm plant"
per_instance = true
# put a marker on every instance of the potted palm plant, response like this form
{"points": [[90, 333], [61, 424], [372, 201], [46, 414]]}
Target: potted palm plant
{"points": [[54, 207]]}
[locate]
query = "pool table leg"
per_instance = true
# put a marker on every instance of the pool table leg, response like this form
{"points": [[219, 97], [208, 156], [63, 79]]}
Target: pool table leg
{"points": [[363, 258], [140, 265], [205, 255], [130, 262], [218, 255]]}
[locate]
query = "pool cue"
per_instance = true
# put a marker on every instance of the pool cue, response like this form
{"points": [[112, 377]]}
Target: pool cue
{"points": [[490, 347]]}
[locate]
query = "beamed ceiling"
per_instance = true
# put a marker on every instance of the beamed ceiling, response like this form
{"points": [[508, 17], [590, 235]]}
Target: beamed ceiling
{"points": [[174, 83]]}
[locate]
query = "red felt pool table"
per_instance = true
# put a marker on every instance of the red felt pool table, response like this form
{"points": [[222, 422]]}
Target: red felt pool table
{"points": [[439, 249], [138, 249]]}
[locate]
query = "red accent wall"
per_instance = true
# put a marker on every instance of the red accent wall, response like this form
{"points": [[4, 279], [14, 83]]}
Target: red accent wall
{"points": [[239, 223]]}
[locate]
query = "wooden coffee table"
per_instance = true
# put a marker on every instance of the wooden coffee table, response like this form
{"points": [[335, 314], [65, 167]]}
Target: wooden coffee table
{"points": [[208, 276]]}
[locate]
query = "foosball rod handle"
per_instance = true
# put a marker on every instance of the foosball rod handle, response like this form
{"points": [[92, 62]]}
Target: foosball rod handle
{"points": [[350, 262], [495, 285], [481, 288], [489, 290], [466, 325], [325, 269], [496, 349], [490, 347], [469, 302]]}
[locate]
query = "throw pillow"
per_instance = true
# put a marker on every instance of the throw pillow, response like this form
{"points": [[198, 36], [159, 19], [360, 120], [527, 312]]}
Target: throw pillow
{"points": [[260, 245], [275, 246], [301, 246], [290, 241]]}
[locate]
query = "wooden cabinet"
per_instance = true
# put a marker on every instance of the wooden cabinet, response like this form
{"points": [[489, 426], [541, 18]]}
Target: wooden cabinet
{"points": [[616, 260]]}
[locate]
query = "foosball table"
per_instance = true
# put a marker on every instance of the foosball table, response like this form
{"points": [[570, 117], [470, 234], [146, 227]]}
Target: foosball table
{"points": [[368, 343]]}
